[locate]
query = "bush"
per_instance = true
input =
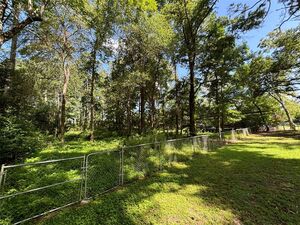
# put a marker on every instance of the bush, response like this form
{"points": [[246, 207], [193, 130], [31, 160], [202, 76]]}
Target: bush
{"points": [[17, 139], [44, 118]]}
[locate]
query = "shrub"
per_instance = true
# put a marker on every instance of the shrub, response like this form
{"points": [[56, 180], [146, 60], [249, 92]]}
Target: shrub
{"points": [[17, 138]]}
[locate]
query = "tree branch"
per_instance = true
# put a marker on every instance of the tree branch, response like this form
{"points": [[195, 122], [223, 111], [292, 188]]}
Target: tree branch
{"points": [[18, 28]]}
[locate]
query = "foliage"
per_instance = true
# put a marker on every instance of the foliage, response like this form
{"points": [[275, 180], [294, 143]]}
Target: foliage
{"points": [[18, 138]]}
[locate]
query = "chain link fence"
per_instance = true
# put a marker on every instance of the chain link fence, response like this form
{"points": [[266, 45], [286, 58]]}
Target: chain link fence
{"points": [[31, 190], [102, 172]]}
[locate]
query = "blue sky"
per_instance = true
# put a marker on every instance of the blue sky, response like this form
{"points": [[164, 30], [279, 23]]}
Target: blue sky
{"points": [[253, 37], [272, 21]]}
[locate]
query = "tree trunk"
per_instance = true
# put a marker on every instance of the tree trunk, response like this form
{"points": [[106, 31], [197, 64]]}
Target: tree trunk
{"points": [[85, 108], [129, 116], [192, 95], [152, 118], [12, 62], [14, 41], [85, 117], [63, 102], [222, 107], [218, 107], [278, 98], [92, 124], [177, 112], [219, 122], [58, 114], [153, 96], [142, 119], [152, 104], [222, 118], [163, 114], [262, 116]]}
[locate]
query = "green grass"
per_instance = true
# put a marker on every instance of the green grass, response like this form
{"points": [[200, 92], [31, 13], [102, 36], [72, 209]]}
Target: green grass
{"points": [[30, 177], [103, 173], [177, 184], [255, 181], [76, 144]]}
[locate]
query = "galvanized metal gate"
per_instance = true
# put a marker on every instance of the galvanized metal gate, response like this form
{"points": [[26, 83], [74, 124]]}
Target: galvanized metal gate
{"points": [[41, 186]]}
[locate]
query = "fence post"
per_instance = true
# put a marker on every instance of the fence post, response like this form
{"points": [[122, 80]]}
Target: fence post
{"points": [[82, 178], [205, 142], [1, 176], [192, 140], [233, 138], [86, 177], [159, 157], [122, 165]]}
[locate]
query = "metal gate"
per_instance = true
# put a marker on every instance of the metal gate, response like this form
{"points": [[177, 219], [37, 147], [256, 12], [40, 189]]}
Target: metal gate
{"points": [[31, 190]]}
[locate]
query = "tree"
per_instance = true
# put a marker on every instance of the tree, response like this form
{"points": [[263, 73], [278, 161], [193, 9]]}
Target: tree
{"points": [[283, 74], [188, 17], [59, 39], [31, 11], [141, 58], [218, 61], [249, 17], [101, 19]]}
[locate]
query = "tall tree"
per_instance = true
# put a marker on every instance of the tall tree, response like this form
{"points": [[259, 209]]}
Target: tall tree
{"points": [[101, 18], [61, 37], [283, 75], [188, 17], [142, 57], [252, 78], [217, 62]]}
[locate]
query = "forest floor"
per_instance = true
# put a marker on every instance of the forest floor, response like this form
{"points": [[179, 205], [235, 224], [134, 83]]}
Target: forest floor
{"points": [[254, 181]]}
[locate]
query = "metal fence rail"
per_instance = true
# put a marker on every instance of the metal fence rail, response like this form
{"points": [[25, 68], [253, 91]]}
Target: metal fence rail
{"points": [[31, 190]]}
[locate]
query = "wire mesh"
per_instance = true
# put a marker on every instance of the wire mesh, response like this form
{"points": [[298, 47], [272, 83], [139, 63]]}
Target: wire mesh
{"points": [[29, 190], [177, 150], [242, 133], [102, 172], [140, 161]]}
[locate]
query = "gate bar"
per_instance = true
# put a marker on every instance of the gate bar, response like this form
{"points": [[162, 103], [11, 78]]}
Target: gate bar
{"points": [[38, 189], [42, 162]]}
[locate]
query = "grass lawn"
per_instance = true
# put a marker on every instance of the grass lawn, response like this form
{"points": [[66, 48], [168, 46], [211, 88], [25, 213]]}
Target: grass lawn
{"points": [[77, 144], [255, 181]]}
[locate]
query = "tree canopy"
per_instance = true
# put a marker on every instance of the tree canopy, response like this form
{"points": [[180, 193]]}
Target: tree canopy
{"points": [[113, 66]]}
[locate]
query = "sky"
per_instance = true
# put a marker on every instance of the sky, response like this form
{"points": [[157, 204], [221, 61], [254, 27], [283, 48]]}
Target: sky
{"points": [[254, 36], [272, 21]]}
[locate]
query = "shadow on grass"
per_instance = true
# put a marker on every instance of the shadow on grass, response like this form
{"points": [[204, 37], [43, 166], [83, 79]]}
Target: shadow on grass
{"points": [[255, 187], [283, 134], [258, 145]]}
